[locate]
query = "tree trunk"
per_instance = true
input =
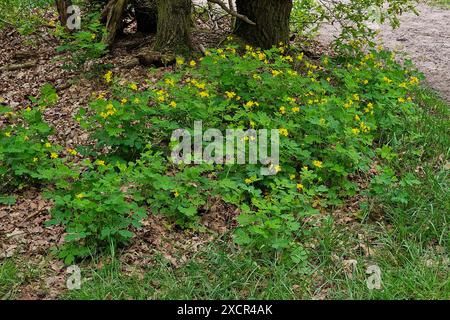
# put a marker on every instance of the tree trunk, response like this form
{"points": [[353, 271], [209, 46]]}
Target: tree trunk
{"points": [[174, 26], [61, 7], [114, 23], [271, 18], [146, 15]]}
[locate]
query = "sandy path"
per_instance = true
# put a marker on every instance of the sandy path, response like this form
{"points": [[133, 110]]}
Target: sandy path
{"points": [[425, 39]]}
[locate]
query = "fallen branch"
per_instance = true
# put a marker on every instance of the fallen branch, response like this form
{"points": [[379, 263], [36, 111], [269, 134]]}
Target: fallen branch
{"points": [[12, 67], [232, 12]]}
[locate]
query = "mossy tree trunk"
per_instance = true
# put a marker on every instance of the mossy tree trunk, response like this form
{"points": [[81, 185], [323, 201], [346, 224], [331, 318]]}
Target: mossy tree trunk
{"points": [[174, 26], [271, 18]]}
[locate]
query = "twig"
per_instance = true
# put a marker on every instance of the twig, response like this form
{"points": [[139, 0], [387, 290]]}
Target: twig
{"points": [[232, 12]]}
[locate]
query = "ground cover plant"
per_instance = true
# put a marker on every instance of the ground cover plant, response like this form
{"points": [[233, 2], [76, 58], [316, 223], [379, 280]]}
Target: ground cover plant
{"points": [[361, 183]]}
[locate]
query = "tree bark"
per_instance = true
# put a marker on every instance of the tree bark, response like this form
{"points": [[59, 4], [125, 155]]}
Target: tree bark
{"points": [[271, 18], [114, 23], [61, 7], [146, 12], [174, 26]]}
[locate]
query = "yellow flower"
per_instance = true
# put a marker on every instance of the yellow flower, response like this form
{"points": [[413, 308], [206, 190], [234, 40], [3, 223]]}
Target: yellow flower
{"points": [[8, 134], [276, 73], [257, 77], [48, 145], [180, 61], [300, 56], [80, 196], [173, 104], [230, 94], [251, 103], [386, 79], [93, 36], [414, 80], [328, 79], [299, 186], [292, 176], [100, 163], [35, 159], [282, 110], [72, 152], [317, 163], [401, 100], [283, 132], [366, 81], [204, 94], [277, 168], [248, 181], [51, 23], [176, 194], [53, 155], [355, 131], [305, 168], [123, 101], [136, 100], [108, 76], [133, 86], [192, 63], [170, 82], [295, 109], [357, 118]]}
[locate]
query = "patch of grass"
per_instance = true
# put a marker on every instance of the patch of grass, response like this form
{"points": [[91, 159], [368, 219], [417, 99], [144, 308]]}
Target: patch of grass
{"points": [[9, 279], [440, 3]]}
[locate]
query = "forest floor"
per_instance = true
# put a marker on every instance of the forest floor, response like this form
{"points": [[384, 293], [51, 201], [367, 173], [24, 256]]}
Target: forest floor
{"points": [[426, 40]]}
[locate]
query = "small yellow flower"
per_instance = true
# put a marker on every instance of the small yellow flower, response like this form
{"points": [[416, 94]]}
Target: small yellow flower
{"points": [[295, 109], [180, 61], [230, 94], [72, 152], [317, 163], [355, 131], [276, 73], [100, 163], [192, 63], [282, 110], [80, 196], [277, 168], [299, 186], [35, 159], [366, 81], [108, 76], [401, 100], [51, 23], [53, 155], [173, 104], [133, 86], [123, 101], [357, 118], [248, 181], [176, 194], [204, 94], [283, 132], [300, 56], [292, 176], [136, 100], [93, 36], [170, 82], [8, 134], [48, 145]]}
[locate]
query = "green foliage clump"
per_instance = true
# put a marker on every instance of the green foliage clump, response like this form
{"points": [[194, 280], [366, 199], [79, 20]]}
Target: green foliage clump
{"points": [[24, 143], [331, 115]]}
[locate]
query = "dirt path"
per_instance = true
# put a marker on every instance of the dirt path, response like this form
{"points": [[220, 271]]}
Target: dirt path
{"points": [[425, 39]]}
